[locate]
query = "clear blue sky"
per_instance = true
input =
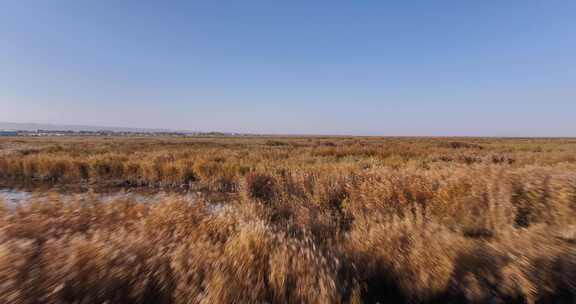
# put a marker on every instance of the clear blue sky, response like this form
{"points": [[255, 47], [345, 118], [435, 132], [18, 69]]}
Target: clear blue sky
{"points": [[504, 68]]}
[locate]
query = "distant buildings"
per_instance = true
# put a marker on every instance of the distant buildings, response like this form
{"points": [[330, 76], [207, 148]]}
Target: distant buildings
{"points": [[8, 133]]}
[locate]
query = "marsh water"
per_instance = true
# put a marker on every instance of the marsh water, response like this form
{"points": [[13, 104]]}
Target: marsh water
{"points": [[13, 197]]}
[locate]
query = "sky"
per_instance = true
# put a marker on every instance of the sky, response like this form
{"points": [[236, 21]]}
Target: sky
{"points": [[430, 68]]}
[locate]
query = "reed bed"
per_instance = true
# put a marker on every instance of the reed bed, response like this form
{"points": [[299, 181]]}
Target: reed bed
{"points": [[315, 220], [219, 164]]}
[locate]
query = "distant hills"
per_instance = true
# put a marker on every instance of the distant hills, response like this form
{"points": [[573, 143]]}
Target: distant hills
{"points": [[13, 126], [40, 128]]}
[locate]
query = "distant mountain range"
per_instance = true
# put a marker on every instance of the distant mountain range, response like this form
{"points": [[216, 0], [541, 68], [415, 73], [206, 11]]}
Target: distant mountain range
{"points": [[13, 126]]}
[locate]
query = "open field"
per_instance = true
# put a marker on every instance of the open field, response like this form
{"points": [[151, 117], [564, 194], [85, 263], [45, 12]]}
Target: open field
{"points": [[290, 220]]}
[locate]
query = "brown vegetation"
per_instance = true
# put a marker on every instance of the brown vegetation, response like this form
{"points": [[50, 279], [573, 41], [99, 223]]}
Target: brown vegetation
{"points": [[337, 220]]}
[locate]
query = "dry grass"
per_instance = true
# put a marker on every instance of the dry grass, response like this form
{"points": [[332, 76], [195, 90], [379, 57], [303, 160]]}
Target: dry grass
{"points": [[319, 220], [219, 164]]}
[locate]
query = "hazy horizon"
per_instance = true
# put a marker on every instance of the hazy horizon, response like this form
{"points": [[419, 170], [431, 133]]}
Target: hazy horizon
{"points": [[441, 68]]}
